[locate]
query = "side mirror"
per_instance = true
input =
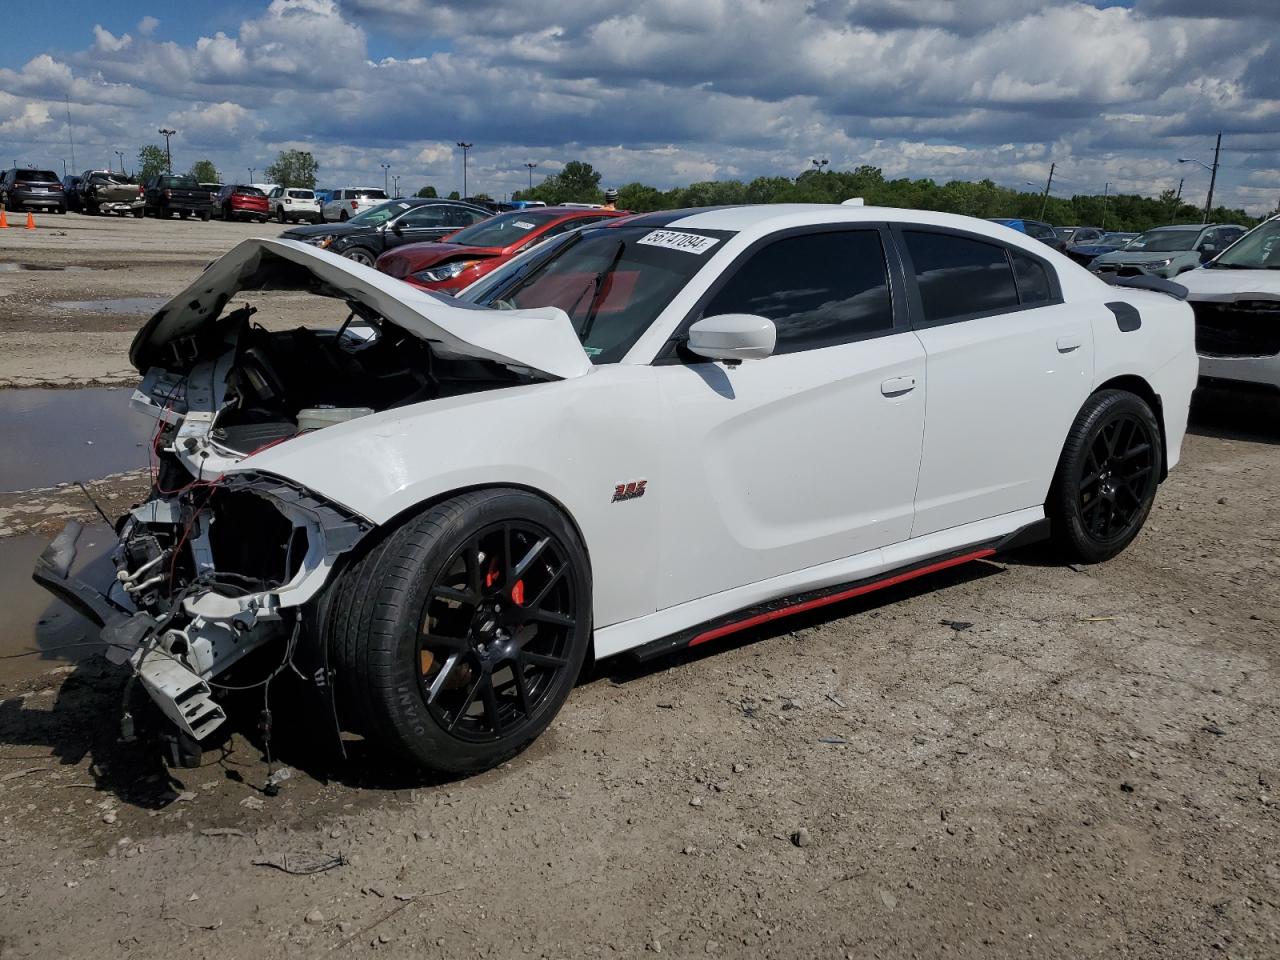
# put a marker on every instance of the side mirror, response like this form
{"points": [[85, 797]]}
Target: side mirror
{"points": [[733, 336], [397, 229], [1208, 251]]}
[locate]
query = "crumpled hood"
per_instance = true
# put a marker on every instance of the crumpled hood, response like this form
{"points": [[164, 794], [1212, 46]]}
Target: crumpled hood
{"points": [[541, 340], [1142, 256], [1224, 285]]}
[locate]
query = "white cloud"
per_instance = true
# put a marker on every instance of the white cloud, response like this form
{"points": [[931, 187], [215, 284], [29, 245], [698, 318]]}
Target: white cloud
{"points": [[668, 91]]}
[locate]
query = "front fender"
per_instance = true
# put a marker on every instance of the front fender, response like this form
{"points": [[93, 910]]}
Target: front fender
{"points": [[572, 440]]}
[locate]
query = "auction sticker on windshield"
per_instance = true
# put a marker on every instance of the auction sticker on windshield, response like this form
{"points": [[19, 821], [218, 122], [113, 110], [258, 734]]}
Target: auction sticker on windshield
{"points": [[675, 240]]}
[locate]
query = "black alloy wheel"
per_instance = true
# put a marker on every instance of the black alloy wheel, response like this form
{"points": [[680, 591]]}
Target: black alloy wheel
{"points": [[359, 255], [459, 635], [1107, 477], [497, 629]]}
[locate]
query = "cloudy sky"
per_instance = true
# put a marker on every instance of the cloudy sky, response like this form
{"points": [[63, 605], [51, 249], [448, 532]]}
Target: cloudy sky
{"points": [[662, 91]]}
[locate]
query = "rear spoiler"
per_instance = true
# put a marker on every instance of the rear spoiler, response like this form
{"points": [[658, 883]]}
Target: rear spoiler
{"points": [[1158, 284]]}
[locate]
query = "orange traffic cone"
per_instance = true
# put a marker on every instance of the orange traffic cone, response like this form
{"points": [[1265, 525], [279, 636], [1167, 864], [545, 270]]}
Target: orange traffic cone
{"points": [[31, 221], [4, 221]]}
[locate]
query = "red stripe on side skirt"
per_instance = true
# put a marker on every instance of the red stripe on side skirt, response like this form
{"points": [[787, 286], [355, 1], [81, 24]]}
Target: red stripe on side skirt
{"points": [[837, 597]]}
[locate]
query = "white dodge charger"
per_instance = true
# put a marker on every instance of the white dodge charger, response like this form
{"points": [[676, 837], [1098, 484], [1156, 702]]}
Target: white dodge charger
{"points": [[636, 437]]}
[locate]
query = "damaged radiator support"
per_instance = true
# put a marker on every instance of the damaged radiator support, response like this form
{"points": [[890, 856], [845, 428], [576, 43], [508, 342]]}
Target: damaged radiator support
{"points": [[180, 638]]}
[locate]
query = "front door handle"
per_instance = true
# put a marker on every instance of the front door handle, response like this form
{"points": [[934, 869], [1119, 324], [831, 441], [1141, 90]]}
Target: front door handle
{"points": [[1070, 342], [897, 386]]}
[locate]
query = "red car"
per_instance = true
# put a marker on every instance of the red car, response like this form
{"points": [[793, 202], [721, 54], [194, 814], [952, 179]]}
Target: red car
{"points": [[461, 258], [237, 200]]}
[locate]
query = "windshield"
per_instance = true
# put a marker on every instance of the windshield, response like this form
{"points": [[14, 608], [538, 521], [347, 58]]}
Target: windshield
{"points": [[504, 230], [1165, 241], [377, 216], [1117, 239], [612, 282], [1259, 249]]}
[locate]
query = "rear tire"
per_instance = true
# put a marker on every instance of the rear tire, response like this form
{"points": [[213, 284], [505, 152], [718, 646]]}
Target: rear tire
{"points": [[428, 628], [139, 214], [204, 216], [280, 214], [342, 217], [1107, 477]]}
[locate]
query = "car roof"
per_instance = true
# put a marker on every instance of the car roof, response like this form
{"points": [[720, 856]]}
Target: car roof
{"points": [[782, 215]]}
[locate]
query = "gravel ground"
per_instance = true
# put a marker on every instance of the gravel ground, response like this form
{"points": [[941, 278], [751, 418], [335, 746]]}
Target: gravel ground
{"points": [[1012, 759]]}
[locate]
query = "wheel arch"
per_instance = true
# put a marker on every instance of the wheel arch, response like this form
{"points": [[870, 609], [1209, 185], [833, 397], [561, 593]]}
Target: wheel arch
{"points": [[1132, 383], [397, 520]]}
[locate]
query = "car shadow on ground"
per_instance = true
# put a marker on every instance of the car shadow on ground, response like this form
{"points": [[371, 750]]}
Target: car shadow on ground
{"points": [[83, 723], [1235, 414]]}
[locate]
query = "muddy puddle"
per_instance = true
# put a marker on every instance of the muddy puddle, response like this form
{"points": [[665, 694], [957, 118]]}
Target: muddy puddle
{"points": [[126, 306], [37, 631], [60, 436], [40, 268]]}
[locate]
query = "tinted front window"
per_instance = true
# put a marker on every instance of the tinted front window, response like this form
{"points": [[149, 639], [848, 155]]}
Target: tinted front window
{"points": [[612, 283], [819, 290], [960, 277]]}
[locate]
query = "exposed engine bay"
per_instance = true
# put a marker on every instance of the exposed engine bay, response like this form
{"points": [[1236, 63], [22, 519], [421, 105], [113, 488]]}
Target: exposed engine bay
{"points": [[220, 559]]}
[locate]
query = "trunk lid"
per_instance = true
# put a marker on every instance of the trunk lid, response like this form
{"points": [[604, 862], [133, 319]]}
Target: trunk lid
{"points": [[541, 340]]}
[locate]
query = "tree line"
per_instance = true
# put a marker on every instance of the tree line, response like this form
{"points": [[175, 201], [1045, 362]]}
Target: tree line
{"points": [[579, 183], [291, 168]]}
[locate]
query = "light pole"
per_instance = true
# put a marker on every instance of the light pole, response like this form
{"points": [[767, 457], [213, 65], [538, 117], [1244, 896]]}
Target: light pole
{"points": [[386, 172], [531, 165], [120, 154], [1106, 190], [465, 147], [1044, 204], [395, 186], [819, 164], [168, 157], [251, 169], [1213, 175]]}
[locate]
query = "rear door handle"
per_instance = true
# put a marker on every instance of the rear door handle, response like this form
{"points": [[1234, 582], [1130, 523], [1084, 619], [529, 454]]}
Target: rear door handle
{"points": [[1071, 342], [897, 386]]}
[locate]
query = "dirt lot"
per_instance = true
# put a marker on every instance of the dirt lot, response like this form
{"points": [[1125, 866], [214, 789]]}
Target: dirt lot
{"points": [[1014, 759]]}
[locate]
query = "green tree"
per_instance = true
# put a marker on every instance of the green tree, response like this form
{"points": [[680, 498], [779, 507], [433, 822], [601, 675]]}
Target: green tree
{"points": [[151, 162], [294, 168], [578, 182], [427, 191], [454, 195], [203, 171]]}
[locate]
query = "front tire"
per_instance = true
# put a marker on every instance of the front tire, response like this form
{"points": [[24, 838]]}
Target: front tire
{"points": [[360, 255], [1107, 477], [458, 636]]}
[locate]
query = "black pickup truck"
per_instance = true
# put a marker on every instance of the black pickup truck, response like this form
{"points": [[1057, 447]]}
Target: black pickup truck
{"points": [[167, 194]]}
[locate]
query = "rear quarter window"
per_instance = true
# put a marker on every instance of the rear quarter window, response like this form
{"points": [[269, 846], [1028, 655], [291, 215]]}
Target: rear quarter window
{"points": [[959, 276]]}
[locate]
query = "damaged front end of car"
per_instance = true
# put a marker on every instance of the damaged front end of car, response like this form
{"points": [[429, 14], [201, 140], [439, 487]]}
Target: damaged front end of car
{"points": [[223, 559]]}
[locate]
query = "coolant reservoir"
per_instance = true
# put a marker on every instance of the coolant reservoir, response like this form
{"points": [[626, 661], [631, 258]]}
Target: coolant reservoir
{"points": [[316, 418]]}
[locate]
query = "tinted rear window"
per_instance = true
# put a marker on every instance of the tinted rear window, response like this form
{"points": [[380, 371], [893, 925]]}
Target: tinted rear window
{"points": [[42, 176], [367, 194], [249, 192], [179, 183], [960, 277], [302, 194]]}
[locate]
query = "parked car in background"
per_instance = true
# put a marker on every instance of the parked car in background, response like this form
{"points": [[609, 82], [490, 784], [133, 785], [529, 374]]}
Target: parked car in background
{"points": [[168, 194], [349, 202], [1085, 253], [410, 220], [70, 183], [621, 444], [1034, 228], [294, 205], [105, 191], [240, 201], [1070, 235], [459, 260], [214, 189], [30, 188], [1236, 299], [1168, 251]]}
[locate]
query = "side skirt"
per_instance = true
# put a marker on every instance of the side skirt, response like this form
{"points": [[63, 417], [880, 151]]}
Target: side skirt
{"points": [[815, 599]]}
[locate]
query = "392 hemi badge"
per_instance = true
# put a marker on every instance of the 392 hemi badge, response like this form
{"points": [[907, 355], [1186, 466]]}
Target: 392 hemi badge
{"points": [[631, 490]]}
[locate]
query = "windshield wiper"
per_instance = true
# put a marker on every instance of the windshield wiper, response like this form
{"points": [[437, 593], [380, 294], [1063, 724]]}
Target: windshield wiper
{"points": [[596, 300]]}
